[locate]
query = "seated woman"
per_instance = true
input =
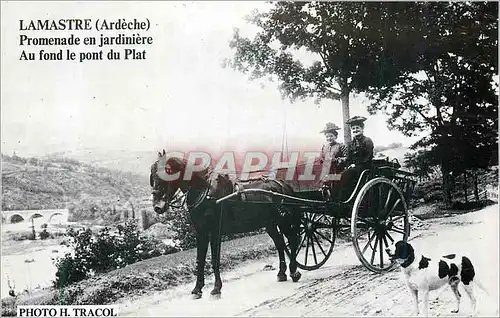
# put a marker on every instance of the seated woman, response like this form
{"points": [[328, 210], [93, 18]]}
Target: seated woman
{"points": [[359, 156], [332, 150]]}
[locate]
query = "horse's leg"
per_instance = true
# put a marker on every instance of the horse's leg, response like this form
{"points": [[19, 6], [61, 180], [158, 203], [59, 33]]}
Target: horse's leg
{"points": [[292, 234], [215, 245], [201, 254], [272, 230]]}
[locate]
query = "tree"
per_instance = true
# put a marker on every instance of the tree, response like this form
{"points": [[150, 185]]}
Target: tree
{"points": [[354, 46], [453, 96], [476, 150], [421, 163]]}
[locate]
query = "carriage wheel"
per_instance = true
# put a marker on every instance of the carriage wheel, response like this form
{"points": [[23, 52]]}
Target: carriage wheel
{"points": [[315, 242], [379, 217]]}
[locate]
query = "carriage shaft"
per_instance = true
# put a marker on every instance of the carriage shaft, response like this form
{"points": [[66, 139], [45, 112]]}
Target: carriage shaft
{"points": [[229, 196]]}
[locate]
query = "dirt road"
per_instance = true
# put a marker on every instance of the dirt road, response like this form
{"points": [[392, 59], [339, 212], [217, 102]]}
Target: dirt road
{"points": [[342, 287]]}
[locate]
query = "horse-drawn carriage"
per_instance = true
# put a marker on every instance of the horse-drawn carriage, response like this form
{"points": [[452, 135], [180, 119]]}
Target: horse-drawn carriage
{"points": [[303, 222], [376, 210]]}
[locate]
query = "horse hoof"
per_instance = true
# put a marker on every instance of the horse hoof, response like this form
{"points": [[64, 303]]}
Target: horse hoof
{"points": [[215, 291], [296, 276], [282, 278], [215, 296], [196, 293], [196, 296]]}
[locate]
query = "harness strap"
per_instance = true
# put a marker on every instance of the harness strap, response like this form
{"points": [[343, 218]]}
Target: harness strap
{"points": [[200, 199], [237, 188]]}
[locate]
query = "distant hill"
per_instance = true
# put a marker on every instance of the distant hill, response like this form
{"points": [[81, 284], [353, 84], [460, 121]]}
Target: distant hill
{"points": [[48, 183], [138, 162]]}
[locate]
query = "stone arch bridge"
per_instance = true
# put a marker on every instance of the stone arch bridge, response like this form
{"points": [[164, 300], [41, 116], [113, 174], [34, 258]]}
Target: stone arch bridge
{"points": [[43, 216]]}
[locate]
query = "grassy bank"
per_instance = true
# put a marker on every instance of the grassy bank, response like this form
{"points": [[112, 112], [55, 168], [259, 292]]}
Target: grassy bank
{"points": [[159, 273]]}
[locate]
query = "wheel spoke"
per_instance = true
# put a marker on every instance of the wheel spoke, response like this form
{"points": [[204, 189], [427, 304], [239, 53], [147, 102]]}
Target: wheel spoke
{"points": [[394, 207], [368, 222], [397, 218], [370, 238], [385, 239], [381, 252], [313, 249], [389, 236], [374, 249], [360, 232], [388, 200], [305, 218], [307, 250], [301, 243], [397, 230], [314, 218], [322, 226], [380, 198], [325, 238], [319, 244]]}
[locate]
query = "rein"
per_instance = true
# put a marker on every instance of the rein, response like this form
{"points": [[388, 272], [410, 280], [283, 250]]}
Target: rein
{"points": [[183, 197]]}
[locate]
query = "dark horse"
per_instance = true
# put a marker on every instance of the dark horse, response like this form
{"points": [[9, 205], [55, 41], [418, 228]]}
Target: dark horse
{"points": [[211, 221]]}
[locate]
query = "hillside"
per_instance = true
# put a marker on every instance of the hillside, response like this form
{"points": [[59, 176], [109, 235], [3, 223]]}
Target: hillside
{"points": [[33, 183], [137, 162]]}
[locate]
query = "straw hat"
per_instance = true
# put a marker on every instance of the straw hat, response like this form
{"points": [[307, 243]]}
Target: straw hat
{"points": [[330, 127]]}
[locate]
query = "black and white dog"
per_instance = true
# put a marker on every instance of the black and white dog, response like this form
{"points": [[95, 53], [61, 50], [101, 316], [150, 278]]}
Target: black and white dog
{"points": [[423, 274]]}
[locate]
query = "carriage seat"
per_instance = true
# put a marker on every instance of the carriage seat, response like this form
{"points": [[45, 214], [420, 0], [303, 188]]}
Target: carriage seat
{"points": [[385, 162]]}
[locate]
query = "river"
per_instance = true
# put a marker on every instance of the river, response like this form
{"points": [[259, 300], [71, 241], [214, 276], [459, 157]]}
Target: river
{"points": [[27, 265]]}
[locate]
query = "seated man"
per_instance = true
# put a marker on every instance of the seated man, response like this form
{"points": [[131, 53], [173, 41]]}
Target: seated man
{"points": [[359, 156]]}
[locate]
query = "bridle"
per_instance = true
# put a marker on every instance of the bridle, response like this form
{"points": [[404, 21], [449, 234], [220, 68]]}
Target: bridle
{"points": [[179, 199]]}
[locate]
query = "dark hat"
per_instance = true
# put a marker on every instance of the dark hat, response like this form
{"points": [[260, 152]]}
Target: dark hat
{"points": [[356, 120], [330, 127]]}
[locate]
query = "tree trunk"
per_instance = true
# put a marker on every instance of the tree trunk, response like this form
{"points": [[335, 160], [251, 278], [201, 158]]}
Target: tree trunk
{"points": [[345, 113], [133, 209], [476, 190], [465, 186], [145, 220], [446, 184]]}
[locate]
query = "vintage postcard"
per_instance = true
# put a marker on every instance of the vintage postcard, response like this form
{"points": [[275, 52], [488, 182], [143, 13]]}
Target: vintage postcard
{"points": [[249, 158]]}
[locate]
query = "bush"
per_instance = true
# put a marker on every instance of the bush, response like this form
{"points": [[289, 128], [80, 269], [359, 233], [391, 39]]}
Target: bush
{"points": [[20, 236], [44, 234], [180, 222], [105, 251]]}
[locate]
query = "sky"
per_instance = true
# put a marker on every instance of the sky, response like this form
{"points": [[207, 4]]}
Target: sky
{"points": [[178, 96]]}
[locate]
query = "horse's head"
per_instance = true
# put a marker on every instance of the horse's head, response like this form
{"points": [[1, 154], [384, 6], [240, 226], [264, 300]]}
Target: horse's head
{"points": [[166, 179]]}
